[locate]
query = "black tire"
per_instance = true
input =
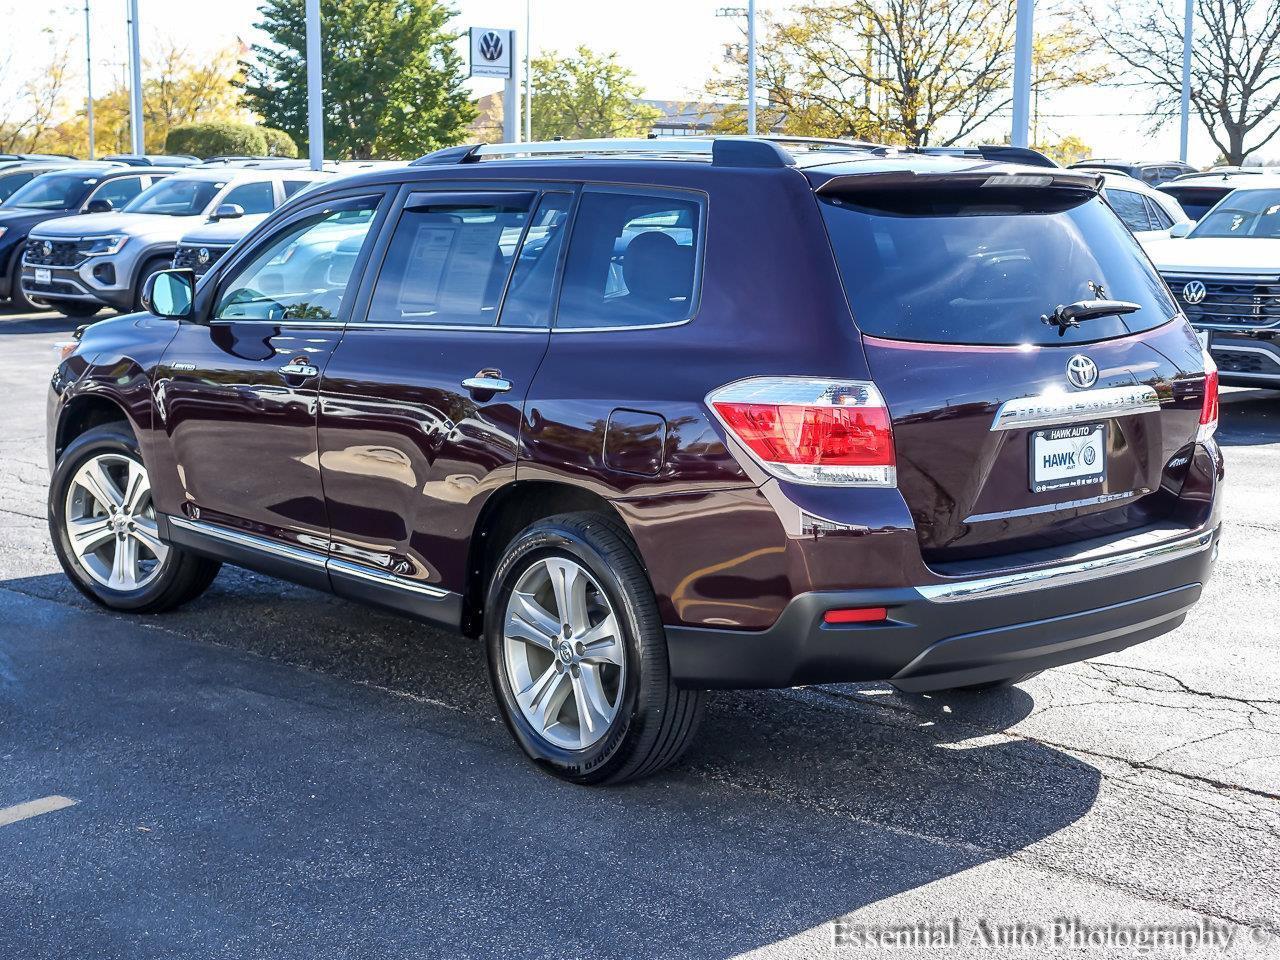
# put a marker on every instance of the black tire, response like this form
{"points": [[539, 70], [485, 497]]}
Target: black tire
{"points": [[75, 308], [17, 299], [655, 720], [154, 265], [182, 576]]}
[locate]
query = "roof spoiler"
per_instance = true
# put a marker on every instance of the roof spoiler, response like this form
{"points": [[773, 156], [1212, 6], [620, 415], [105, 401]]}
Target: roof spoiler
{"points": [[985, 176]]}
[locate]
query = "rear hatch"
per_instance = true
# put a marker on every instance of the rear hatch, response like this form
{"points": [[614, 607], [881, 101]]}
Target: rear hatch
{"points": [[1016, 437]]}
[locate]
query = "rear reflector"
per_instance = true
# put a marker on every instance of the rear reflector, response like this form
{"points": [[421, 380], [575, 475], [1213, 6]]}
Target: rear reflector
{"points": [[856, 615], [827, 432], [1209, 406]]}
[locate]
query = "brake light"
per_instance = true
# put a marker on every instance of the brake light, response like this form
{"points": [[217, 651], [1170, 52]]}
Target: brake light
{"points": [[827, 432], [1209, 406]]}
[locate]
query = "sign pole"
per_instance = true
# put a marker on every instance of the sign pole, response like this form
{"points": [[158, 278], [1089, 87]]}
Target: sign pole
{"points": [[511, 96], [1024, 37], [135, 92], [1187, 27], [88, 75], [315, 88]]}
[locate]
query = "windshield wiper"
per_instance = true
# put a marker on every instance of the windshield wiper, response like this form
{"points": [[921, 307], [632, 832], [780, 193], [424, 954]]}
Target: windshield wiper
{"points": [[1071, 314]]}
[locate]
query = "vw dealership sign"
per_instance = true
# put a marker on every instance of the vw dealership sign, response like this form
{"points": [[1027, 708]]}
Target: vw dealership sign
{"points": [[490, 52]]}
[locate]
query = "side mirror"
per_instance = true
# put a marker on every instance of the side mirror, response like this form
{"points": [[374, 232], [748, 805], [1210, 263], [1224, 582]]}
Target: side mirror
{"points": [[1179, 230], [101, 205], [228, 211], [170, 293]]}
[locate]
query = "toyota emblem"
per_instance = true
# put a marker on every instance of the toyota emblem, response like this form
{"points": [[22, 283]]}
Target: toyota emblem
{"points": [[202, 255], [1082, 372], [1194, 291], [491, 47]]}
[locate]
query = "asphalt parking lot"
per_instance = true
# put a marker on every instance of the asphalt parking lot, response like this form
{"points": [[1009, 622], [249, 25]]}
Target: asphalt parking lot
{"points": [[272, 772]]}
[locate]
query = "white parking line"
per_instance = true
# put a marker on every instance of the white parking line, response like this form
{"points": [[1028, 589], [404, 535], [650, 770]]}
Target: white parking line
{"points": [[33, 808]]}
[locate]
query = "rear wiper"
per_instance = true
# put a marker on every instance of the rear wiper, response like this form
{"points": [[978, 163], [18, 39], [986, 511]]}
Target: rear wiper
{"points": [[1071, 314]]}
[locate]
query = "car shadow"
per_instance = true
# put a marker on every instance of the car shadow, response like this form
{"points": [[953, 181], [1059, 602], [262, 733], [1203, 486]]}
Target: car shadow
{"points": [[793, 809], [1249, 418]]}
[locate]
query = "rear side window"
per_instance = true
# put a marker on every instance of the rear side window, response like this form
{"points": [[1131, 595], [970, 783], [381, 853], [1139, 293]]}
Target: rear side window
{"points": [[293, 186], [253, 197], [1130, 207], [1156, 214], [982, 266], [119, 191], [449, 259], [633, 260]]}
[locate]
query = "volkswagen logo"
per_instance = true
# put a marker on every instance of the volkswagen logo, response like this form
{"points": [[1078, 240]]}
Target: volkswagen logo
{"points": [[1082, 372], [46, 248], [491, 47], [202, 255], [1193, 292]]}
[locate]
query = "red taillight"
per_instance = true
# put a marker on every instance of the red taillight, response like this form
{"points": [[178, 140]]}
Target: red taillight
{"points": [[856, 615], [1209, 405], [813, 431]]}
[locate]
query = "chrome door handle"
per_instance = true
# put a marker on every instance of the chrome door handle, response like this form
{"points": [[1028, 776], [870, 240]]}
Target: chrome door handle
{"points": [[487, 381], [300, 370]]}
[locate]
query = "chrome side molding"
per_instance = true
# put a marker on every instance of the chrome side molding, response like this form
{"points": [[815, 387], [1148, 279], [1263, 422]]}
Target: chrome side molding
{"points": [[1069, 573], [311, 558], [1060, 409]]}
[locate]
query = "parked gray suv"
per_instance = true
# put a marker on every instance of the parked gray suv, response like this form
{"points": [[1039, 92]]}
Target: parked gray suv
{"points": [[78, 264]]}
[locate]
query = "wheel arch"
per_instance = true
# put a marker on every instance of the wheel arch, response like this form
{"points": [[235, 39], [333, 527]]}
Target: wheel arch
{"points": [[506, 512], [83, 413]]}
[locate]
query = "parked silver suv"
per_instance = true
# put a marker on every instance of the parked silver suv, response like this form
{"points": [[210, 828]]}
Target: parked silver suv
{"points": [[78, 264]]}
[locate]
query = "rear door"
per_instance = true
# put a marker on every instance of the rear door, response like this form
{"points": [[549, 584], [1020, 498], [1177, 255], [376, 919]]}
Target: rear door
{"points": [[1013, 434], [422, 401]]}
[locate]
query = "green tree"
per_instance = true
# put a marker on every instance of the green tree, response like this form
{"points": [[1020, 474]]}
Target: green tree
{"points": [[217, 140], [393, 81], [587, 94]]}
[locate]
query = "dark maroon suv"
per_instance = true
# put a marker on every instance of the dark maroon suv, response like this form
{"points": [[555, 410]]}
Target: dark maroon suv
{"points": [[653, 417]]}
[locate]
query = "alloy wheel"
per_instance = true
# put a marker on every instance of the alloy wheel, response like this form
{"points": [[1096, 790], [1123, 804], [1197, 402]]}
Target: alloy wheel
{"points": [[111, 523], [564, 653]]}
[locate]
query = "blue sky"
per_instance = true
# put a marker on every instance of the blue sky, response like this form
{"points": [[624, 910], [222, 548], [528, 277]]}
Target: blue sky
{"points": [[671, 45]]}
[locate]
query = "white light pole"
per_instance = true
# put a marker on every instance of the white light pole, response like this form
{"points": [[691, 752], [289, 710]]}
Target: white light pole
{"points": [[315, 90], [528, 71], [751, 68], [1024, 35], [135, 92], [1187, 27], [88, 75]]}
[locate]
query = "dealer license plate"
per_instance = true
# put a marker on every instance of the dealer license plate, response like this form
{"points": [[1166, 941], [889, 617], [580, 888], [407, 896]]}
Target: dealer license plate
{"points": [[1068, 457]]}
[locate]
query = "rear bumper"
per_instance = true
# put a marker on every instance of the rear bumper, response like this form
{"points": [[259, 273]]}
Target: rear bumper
{"points": [[962, 632]]}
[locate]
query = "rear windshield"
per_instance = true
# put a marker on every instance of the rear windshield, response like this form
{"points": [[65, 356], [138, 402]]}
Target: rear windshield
{"points": [[954, 266], [1196, 201]]}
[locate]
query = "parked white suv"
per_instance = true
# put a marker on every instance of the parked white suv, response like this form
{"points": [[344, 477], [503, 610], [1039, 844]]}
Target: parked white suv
{"points": [[1148, 213], [1225, 274], [105, 259]]}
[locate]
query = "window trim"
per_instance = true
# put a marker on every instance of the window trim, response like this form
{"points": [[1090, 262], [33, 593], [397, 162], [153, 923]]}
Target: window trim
{"points": [[208, 295], [683, 194]]}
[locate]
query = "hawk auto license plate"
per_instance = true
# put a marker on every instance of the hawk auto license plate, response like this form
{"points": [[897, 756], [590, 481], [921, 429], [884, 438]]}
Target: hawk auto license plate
{"points": [[1068, 457], [44, 276]]}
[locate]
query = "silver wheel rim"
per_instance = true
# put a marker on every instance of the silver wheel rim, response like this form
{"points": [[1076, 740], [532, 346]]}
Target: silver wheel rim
{"points": [[564, 653], [111, 523]]}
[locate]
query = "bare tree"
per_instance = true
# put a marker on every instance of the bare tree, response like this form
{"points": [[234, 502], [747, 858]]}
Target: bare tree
{"points": [[1235, 65], [40, 102], [912, 71]]}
